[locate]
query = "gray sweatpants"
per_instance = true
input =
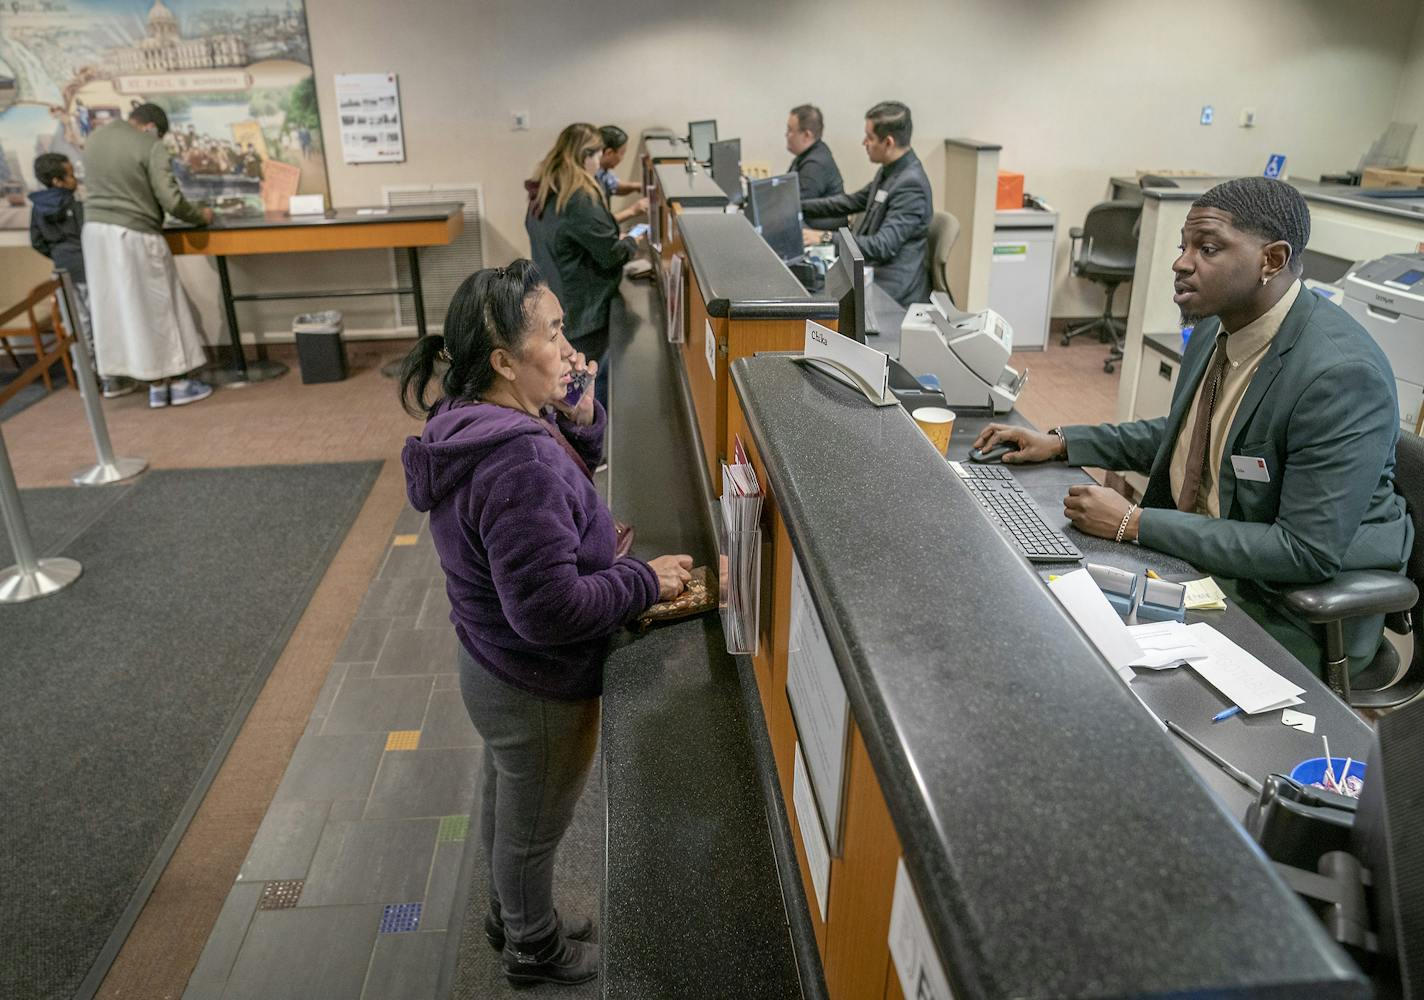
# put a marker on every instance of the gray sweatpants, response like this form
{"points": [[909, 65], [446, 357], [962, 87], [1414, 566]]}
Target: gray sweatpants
{"points": [[537, 756]]}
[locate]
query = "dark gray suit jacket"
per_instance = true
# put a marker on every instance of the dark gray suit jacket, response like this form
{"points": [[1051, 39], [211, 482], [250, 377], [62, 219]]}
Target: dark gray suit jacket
{"points": [[1322, 411], [819, 177], [893, 231]]}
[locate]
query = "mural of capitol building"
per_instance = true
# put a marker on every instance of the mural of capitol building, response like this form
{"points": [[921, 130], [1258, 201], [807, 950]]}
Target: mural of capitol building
{"points": [[166, 50]]}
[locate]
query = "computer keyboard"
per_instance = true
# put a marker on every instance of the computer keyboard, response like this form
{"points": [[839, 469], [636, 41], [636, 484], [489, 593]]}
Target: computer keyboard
{"points": [[999, 493]]}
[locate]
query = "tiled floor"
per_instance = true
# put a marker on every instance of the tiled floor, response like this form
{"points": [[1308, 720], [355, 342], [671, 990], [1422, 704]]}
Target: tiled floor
{"points": [[1067, 385], [350, 883], [286, 421]]}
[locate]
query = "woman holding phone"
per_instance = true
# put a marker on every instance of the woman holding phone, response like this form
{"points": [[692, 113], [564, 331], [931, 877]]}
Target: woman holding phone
{"points": [[575, 240], [536, 585]]}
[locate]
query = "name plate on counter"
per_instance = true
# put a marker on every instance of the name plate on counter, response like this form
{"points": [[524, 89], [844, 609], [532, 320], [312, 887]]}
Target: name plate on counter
{"points": [[709, 347], [818, 706], [912, 949]]}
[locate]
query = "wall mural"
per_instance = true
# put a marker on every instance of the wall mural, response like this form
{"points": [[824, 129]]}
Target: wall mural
{"points": [[235, 77]]}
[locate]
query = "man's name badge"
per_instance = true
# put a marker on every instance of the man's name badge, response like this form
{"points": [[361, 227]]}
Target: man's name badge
{"points": [[882, 196], [1251, 469]]}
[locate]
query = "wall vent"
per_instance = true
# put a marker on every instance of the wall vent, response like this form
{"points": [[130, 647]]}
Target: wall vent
{"points": [[441, 268]]}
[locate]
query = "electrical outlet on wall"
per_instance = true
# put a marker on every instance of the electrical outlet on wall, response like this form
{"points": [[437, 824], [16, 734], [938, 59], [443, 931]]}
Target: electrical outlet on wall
{"points": [[1207, 114], [519, 121], [1248, 117]]}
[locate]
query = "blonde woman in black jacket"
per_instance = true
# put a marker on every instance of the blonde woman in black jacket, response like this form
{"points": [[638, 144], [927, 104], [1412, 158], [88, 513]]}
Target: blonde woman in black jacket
{"points": [[575, 243]]}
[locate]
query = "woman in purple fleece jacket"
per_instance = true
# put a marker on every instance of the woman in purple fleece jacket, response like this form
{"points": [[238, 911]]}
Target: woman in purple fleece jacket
{"points": [[536, 586]]}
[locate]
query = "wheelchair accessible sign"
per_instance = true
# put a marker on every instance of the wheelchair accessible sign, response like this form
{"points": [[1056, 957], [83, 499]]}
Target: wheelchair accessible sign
{"points": [[1276, 166]]}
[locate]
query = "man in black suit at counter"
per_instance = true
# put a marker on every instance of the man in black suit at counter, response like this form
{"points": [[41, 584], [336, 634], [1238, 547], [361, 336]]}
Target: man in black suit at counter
{"points": [[895, 208], [814, 166]]}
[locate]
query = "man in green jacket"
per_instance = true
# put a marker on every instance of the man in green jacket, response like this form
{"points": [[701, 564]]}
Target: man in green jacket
{"points": [[1275, 464], [144, 326]]}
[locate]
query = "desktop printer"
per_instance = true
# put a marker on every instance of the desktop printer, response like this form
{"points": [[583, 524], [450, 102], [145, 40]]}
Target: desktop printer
{"points": [[967, 352], [1386, 297]]}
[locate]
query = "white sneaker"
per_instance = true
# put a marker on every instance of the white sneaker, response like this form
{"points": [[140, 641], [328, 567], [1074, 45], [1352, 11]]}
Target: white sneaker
{"points": [[157, 397], [183, 391]]}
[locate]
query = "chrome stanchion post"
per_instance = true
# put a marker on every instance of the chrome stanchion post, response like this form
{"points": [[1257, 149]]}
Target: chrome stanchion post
{"points": [[29, 577], [109, 469]]}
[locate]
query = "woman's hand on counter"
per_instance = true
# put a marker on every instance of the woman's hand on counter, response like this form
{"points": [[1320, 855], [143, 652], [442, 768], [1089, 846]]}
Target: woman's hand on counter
{"points": [[673, 574]]}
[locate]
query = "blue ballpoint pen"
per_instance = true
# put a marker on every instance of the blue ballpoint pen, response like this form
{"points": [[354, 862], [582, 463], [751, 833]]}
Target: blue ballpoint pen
{"points": [[1226, 713]]}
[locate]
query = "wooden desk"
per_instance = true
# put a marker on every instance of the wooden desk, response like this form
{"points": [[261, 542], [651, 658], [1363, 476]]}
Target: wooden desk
{"points": [[404, 226], [740, 300], [675, 193]]}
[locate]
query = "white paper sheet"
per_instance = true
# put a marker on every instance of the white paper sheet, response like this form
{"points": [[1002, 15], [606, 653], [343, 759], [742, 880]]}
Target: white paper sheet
{"points": [[808, 821], [1165, 645], [1083, 600], [1241, 678]]}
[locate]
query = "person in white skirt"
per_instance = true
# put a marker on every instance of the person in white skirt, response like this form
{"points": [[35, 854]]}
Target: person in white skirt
{"points": [[144, 327]]}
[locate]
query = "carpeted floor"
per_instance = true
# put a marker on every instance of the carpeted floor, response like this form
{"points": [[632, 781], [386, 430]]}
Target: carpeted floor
{"points": [[30, 394], [119, 696], [578, 888]]}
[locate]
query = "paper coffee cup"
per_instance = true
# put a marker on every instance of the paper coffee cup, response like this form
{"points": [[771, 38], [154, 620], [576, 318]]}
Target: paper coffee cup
{"points": [[937, 423]]}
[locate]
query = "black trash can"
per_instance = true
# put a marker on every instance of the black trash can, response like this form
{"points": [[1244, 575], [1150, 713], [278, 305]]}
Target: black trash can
{"points": [[320, 349]]}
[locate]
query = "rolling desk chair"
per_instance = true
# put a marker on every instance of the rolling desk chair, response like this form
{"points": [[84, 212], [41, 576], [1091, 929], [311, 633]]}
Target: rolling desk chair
{"points": [[1386, 682], [944, 233], [1104, 250]]}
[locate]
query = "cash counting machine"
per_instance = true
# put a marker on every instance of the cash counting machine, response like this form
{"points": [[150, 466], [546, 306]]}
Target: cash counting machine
{"points": [[1386, 297], [967, 352]]}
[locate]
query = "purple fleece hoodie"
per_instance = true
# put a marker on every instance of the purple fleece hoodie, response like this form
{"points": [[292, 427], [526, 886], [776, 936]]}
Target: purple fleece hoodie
{"points": [[526, 544]]}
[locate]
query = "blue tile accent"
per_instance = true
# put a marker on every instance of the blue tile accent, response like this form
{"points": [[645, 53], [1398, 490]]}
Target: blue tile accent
{"points": [[398, 918]]}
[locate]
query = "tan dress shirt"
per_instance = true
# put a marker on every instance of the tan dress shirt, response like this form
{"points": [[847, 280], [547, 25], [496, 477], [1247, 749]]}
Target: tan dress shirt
{"points": [[1245, 350]]}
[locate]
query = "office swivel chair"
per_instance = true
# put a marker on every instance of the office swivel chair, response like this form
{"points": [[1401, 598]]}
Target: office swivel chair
{"points": [[1156, 181], [944, 233], [1386, 682], [1104, 250]]}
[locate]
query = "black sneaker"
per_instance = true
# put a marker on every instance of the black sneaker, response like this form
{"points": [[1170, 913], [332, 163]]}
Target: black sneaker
{"points": [[578, 928], [555, 959]]}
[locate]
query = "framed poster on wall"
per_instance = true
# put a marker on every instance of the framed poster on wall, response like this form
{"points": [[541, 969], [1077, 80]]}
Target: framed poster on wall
{"points": [[368, 107], [234, 77]]}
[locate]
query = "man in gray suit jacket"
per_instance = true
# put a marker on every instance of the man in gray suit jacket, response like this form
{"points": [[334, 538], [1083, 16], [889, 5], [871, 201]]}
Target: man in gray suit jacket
{"points": [[895, 208], [1275, 464]]}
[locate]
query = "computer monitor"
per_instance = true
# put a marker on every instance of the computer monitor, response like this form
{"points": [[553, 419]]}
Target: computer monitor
{"points": [[774, 208], [700, 136], [845, 282], [727, 168], [1386, 839]]}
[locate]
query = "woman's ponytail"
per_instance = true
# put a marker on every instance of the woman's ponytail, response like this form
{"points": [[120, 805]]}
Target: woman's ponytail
{"points": [[417, 370]]}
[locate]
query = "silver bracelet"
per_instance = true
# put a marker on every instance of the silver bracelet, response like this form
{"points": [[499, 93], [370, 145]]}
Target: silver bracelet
{"points": [[1122, 528]]}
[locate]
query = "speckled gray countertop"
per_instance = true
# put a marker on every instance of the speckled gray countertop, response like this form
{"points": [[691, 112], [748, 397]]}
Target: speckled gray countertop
{"points": [[1059, 844], [740, 276], [696, 189]]}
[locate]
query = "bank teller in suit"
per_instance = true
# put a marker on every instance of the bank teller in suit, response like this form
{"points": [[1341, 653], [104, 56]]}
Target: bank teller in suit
{"points": [[895, 208], [1275, 464], [812, 163]]}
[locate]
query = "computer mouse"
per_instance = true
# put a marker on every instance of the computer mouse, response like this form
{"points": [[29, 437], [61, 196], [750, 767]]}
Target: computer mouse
{"points": [[994, 454]]}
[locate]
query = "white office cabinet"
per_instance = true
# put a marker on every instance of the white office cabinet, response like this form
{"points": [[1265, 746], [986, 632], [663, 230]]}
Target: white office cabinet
{"points": [[1156, 380], [1021, 273]]}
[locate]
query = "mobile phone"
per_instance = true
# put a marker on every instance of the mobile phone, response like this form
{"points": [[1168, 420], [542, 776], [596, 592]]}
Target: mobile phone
{"points": [[638, 231], [577, 385]]}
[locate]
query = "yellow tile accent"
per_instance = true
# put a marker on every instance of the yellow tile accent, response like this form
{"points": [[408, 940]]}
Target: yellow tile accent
{"points": [[403, 739], [405, 539]]}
